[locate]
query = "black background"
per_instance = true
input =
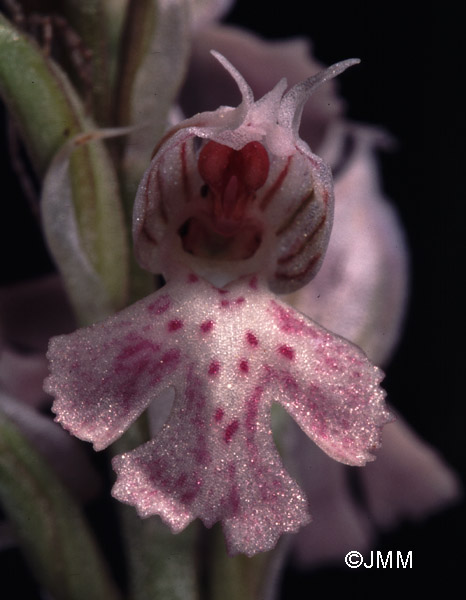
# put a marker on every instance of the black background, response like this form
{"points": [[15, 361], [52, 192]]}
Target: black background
{"points": [[410, 83]]}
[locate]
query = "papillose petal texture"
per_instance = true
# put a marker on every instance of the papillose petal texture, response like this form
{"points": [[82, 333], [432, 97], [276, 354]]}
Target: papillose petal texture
{"points": [[232, 205], [228, 353]]}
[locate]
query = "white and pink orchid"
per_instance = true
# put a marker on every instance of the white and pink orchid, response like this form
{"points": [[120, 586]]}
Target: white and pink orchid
{"points": [[213, 368], [233, 204]]}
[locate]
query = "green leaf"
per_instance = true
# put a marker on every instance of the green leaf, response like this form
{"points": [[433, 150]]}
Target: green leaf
{"points": [[96, 287], [153, 87], [152, 61], [38, 97], [161, 564], [242, 578], [88, 19], [138, 30], [50, 525], [48, 113]]}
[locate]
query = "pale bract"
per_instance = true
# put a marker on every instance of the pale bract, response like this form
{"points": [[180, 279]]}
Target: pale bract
{"points": [[233, 208]]}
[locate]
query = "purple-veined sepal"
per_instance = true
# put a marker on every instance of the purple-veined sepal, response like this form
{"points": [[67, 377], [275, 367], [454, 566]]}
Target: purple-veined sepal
{"points": [[236, 191]]}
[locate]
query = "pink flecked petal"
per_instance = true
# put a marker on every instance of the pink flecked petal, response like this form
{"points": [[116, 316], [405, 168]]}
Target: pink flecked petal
{"points": [[218, 464], [238, 199], [215, 458], [330, 388], [228, 353], [105, 375]]}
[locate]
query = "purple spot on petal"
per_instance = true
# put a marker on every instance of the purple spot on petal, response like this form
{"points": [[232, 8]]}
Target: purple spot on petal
{"points": [[291, 387], [253, 282], [291, 324], [285, 319], [286, 351], [218, 415], [230, 431], [195, 408], [225, 303], [206, 326], [192, 278], [134, 347], [188, 496], [164, 365], [234, 497], [239, 300], [159, 305], [244, 366], [252, 339], [174, 325], [214, 367]]}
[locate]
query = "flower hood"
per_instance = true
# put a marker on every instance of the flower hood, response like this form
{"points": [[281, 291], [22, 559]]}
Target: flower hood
{"points": [[233, 207]]}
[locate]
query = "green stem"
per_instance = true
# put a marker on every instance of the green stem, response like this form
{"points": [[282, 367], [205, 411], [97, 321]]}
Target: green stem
{"points": [[138, 29], [137, 33], [237, 577], [87, 17], [48, 112], [50, 525], [36, 96]]}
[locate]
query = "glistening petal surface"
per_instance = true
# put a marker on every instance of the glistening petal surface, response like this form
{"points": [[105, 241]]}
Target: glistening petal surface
{"points": [[228, 353]]}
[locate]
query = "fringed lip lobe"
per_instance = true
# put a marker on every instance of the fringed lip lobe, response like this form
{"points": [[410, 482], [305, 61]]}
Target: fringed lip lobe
{"points": [[228, 353]]}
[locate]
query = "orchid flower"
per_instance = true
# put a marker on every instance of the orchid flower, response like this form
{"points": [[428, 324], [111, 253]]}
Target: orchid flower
{"points": [[233, 209]]}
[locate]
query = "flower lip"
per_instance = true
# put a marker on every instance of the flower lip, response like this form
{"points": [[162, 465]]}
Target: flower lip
{"points": [[229, 353]]}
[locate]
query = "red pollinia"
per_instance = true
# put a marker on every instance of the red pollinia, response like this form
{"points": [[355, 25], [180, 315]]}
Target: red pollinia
{"points": [[233, 208]]}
